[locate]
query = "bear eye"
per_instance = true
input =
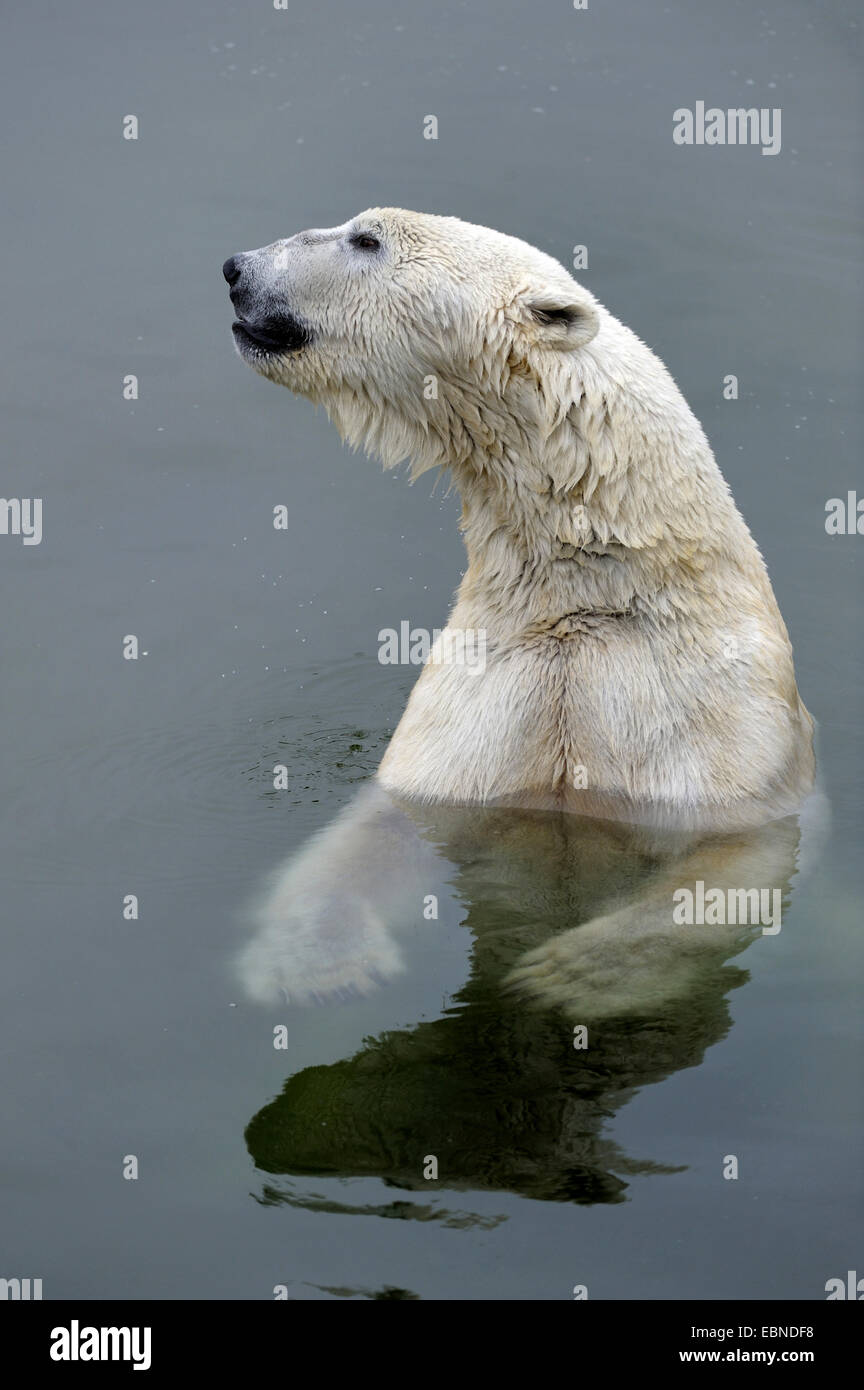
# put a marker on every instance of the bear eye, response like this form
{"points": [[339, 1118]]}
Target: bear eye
{"points": [[364, 241]]}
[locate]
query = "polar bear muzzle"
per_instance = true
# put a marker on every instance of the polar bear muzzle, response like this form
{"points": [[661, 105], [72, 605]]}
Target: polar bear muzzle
{"points": [[259, 332]]}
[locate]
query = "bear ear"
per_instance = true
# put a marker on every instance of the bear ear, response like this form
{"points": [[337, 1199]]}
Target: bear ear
{"points": [[561, 321]]}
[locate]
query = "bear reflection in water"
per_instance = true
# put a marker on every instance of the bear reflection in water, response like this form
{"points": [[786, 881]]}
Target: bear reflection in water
{"points": [[572, 932]]}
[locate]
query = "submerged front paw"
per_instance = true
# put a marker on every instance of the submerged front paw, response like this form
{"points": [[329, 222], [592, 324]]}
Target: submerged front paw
{"points": [[327, 951], [597, 971]]}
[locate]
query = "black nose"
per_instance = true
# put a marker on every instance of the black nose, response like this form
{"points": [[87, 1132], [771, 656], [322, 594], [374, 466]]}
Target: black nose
{"points": [[231, 269]]}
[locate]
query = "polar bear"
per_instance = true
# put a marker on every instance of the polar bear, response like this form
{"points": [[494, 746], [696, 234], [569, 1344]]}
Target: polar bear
{"points": [[636, 666], [631, 632]]}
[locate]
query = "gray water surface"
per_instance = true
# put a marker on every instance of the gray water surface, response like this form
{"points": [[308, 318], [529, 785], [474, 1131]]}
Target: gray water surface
{"points": [[299, 1167]]}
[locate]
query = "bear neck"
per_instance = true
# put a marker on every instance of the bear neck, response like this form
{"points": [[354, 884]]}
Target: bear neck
{"points": [[586, 491], [589, 494], [555, 547]]}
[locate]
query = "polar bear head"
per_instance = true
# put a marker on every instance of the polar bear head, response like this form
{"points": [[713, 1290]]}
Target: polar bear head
{"points": [[381, 317]]}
